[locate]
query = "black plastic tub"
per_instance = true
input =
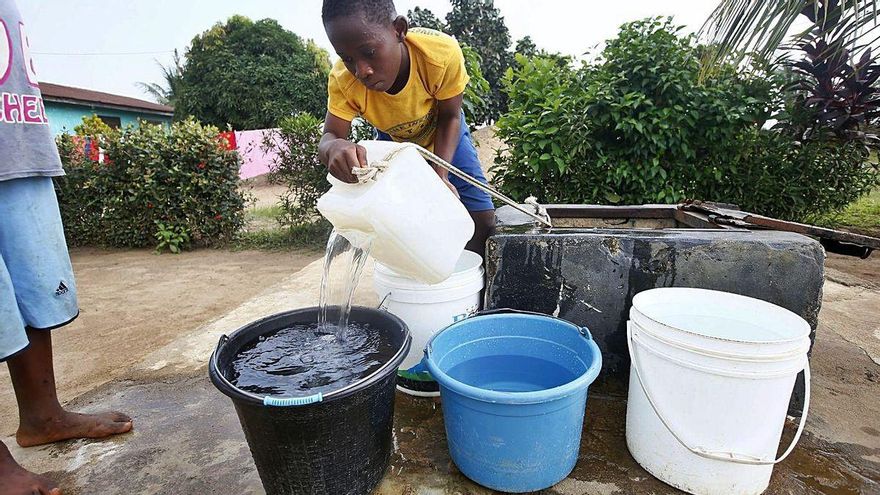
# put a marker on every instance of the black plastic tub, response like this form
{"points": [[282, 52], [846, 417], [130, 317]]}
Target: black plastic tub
{"points": [[338, 443]]}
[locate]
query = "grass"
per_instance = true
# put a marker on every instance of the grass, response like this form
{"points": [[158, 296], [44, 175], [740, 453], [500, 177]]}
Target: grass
{"points": [[863, 216], [309, 236], [263, 231], [265, 213]]}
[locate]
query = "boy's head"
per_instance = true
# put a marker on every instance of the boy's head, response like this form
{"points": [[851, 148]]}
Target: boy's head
{"points": [[368, 36]]}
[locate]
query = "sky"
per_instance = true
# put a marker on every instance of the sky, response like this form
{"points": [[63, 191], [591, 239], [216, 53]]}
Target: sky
{"points": [[110, 45]]}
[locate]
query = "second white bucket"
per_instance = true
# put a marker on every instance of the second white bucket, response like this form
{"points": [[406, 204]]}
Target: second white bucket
{"points": [[426, 309], [710, 382]]}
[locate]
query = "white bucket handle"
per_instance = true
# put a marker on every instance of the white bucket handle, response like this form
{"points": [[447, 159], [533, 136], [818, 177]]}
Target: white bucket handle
{"points": [[719, 455]]}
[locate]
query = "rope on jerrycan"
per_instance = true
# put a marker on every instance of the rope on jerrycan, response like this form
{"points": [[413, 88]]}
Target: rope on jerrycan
{"points": [[365, 174]]}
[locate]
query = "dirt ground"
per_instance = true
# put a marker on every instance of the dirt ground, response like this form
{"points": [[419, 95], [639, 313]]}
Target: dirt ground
{"points": [[262, 192], [487, 144], [863, 272], [134, 302]]}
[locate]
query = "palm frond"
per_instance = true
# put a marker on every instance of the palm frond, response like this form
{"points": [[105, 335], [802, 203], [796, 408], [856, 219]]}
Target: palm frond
{"points": [[740, 30], [172, 75], [159, 93]]}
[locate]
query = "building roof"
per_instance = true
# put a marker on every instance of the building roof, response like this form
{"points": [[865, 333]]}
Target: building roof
{"points": [[67, 94]]}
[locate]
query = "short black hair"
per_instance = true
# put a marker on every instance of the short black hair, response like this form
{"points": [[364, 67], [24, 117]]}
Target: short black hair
{"points": [[376, 11]]}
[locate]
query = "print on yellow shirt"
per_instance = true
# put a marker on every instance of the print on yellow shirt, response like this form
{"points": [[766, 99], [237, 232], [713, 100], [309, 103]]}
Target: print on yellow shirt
{"points": [[420, 130]]}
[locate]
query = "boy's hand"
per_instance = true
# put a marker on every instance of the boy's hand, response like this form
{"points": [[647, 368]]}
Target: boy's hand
{"points": [[451, 187], [342, 156]]}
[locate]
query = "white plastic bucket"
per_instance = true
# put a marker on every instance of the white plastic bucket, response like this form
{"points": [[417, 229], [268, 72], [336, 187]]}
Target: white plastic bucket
{"points": [[710, 382], [428, 308]]}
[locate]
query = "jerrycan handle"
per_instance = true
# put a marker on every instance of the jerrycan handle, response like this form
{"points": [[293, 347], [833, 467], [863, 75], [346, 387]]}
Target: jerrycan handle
{"points": [[539, 216]]}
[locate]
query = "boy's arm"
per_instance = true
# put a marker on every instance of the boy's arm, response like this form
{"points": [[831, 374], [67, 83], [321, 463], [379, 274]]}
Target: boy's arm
{"points": [[448, 131], [338, 153]]}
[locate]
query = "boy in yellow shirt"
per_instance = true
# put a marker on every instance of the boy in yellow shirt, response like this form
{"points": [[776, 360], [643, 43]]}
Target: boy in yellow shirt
{"points": [[407, 83]]}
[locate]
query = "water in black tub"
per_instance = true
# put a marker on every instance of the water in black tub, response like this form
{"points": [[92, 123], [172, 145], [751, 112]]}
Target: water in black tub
{"points": [[303, 360], [326, 355]]}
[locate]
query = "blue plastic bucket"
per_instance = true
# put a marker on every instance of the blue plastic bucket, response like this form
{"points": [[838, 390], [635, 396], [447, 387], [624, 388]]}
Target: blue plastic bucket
{"points": [[514, 390]]}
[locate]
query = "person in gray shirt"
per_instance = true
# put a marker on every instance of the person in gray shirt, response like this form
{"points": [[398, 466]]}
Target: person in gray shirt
{"points": [[37, 287]]}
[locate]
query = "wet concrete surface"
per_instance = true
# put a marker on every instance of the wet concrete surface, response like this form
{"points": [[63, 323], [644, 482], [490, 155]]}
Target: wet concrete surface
{"points": [[604, 464], [187, 438]]}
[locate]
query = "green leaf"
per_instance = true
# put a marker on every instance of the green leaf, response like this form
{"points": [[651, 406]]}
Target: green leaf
{"points": [[612, 197], [561, 165]]}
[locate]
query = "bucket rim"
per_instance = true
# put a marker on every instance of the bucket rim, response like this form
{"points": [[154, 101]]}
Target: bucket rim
{"points": [[796, 364], [580, 383], [693, 348], [805, 330], [460, 283], [230, 390], [440, 295], [397, 280], [665, 333]]}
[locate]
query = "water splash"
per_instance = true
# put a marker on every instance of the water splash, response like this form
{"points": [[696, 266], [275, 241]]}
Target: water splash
{"points": [[344, 261]]}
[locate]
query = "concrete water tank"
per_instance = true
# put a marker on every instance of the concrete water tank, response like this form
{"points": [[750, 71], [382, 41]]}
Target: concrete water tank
{"points": [[590, 265]]}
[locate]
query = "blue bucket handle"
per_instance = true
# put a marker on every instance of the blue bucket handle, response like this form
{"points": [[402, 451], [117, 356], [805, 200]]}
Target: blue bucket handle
{"points": [[292, 401], [584, 331], [501, 311]]}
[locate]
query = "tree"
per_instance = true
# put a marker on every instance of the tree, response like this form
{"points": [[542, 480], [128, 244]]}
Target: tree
{"points": [[419, 17], [474, 103], [611, 131], [251, 74], [526, 47], [172, 75], [479, 24]]}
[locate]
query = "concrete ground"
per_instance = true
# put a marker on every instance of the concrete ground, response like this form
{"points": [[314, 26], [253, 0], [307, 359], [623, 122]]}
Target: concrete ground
{"points": [[187, 438]]}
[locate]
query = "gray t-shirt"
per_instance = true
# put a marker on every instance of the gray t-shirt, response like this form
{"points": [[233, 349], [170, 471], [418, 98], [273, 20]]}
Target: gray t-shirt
{"points": [[26, 143]]}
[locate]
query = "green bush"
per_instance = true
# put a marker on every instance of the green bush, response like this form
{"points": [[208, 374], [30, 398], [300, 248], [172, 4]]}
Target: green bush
{"points": [[769, 173], [638, 126], [296, 166], [475, 102], [154, 180]]}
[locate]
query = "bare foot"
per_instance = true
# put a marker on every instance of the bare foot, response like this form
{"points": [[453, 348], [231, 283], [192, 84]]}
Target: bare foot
{"points": [[16, 480], [70, 425]]}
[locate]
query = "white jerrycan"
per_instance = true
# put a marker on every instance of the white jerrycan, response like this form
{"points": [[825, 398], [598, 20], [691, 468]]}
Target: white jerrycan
{"points": [[419, 228]]}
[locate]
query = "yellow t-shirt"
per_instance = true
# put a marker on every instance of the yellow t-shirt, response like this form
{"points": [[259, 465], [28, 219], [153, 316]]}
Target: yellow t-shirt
{"points": [[436, 73]]}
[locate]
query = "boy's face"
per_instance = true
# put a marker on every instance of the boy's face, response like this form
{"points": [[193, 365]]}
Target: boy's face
{"points": [[370, 51]]}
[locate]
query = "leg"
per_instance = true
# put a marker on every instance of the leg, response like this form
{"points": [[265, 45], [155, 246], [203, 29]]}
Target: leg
{"points": [[16, 480], [38, 290], [41, 417], [477, 202], [484, 227]]}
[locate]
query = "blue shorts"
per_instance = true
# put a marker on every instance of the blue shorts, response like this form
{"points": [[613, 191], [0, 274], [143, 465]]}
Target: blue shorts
{"points": [[466, 159], [37, 289]]}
